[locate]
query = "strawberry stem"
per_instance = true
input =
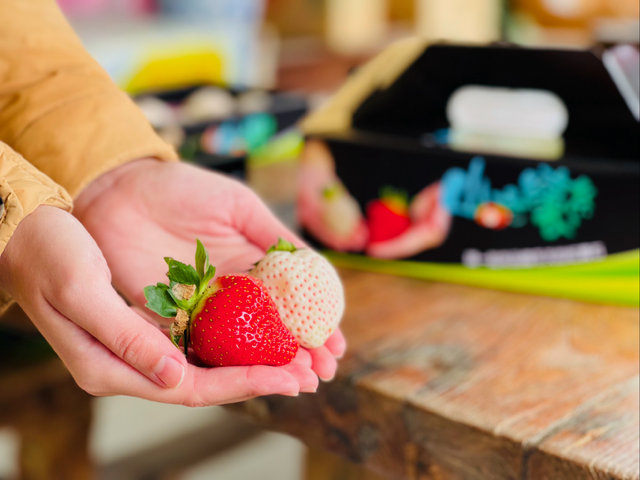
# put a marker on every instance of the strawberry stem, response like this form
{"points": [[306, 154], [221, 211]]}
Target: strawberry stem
{"points": [[186, 339], [283, 246], [187, 286]]}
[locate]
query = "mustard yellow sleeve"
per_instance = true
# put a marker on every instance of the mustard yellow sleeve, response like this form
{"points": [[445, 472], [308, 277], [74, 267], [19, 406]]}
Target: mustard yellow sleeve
{"points": [[58, 108], [22, 189]]}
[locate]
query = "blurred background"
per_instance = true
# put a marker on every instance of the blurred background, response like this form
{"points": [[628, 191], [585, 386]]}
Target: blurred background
{"points": [[226, 81], [273, 43]]}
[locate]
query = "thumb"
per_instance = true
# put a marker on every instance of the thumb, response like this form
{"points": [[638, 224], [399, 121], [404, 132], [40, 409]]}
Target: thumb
{"points": [[97, 308], [260, 226]]}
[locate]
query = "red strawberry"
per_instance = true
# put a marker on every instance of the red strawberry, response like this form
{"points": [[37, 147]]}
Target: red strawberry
{"points": [[237, 323], [493, 216], [232, 322], [389, 216]]}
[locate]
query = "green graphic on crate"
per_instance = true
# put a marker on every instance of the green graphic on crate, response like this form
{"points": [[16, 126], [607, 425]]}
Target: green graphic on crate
{"points": [[546, 197]]}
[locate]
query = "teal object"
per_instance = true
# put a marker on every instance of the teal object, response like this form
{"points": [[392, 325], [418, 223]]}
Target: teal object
{"points": [[257, 129]]}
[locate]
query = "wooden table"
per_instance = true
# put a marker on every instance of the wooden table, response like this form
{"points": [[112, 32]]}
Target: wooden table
{"points": [[52, 417], [449, 382]]}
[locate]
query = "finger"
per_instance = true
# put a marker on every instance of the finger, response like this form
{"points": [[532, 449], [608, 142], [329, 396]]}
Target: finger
{"points": [[145, 313], [151, 317], [337, 344], [417, 239], [195, 360], [219, 386], [324, 363], [100, 372], [96, 307], [303, 357], [210, 386], [305, 377], [254, 219]]}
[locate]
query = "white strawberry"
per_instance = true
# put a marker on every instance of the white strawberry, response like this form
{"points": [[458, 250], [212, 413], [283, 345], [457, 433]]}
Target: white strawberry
{"points": [[306, 289], [340, 212]]}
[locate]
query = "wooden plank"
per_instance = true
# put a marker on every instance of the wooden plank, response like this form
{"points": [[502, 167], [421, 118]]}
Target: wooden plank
{"points": [[600, 441], [322, 465], [53, 425], [446, 382], [21, 383], [52, 416]]}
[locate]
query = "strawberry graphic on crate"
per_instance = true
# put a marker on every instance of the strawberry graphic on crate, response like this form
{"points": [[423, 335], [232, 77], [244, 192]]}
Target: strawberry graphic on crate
{"points": [[388, 216]]}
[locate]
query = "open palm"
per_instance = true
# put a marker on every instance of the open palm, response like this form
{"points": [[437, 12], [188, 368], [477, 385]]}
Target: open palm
{"points": [[147, 210]]}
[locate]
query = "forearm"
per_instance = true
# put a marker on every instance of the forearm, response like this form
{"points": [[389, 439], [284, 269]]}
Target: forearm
{"points": [[58, 108]]}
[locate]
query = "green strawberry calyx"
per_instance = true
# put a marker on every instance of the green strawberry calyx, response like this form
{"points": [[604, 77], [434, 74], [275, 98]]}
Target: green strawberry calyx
{"points": [[282, 246], [187, 286], [333, 191], [395, 199]]}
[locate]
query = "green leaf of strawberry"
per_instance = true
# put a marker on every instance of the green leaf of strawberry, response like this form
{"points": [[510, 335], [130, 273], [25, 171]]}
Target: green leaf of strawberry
{"points": [[208, 276], [202, 260], [159, 300], [181, 273]]}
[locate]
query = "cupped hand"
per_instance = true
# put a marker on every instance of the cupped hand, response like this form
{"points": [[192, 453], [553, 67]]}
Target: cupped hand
{"points": [[430, 226], [56, 272], [337, 220], [146, 210]]}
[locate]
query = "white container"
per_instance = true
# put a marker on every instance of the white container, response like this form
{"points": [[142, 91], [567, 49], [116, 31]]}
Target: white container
{"points": [[516, 122], [508, 112]]}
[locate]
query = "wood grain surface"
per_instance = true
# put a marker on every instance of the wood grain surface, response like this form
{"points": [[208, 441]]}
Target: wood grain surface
{"points": [[52, 418], [450, 382]]}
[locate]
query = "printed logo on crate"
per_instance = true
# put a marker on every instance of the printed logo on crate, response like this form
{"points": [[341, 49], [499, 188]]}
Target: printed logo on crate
{"points": [[395, 225], [546, 197]]}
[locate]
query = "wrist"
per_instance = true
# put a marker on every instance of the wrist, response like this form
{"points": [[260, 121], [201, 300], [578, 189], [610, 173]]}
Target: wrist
{"points": [[16, 251], [107, 181]]}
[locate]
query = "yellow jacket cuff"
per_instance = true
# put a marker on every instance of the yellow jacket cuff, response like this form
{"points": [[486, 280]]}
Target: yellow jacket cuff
{"points": [[23, 189]]}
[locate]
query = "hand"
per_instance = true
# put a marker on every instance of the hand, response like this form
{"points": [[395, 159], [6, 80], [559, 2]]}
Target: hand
{"points": [[336, 220], [430, 226], [146, 210], [56, 272]]}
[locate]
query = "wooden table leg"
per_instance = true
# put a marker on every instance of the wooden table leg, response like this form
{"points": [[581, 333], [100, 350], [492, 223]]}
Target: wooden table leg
{"points": [[322, 465], [54, 428]]}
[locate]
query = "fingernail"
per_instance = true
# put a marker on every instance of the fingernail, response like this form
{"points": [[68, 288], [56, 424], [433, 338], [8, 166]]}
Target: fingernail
{"points": [[169, 372], [309, 389], [327, 380], [291, 394]]}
